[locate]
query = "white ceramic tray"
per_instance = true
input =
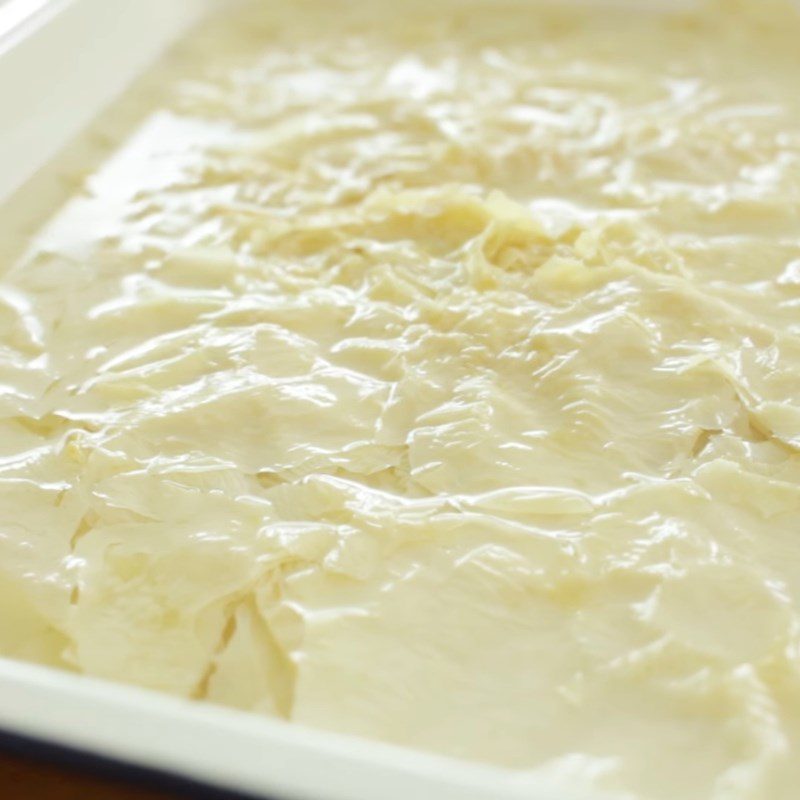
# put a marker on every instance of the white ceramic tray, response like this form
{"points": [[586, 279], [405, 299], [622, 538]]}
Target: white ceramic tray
{"points": [[61, 62]]}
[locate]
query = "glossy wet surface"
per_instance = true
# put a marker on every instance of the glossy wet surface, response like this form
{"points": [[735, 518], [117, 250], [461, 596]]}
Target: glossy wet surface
{"points": [[432, 377]]}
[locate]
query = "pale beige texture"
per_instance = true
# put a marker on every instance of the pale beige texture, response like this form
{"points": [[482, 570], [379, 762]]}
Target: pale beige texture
{"points": [[431, 375]]}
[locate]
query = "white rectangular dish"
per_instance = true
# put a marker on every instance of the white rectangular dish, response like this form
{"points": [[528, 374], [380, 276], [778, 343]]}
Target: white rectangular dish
{"points": [[61, 62]]}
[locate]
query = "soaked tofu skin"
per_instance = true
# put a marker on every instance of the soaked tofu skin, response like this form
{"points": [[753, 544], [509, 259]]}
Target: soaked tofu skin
{"points": [[429, 372]]}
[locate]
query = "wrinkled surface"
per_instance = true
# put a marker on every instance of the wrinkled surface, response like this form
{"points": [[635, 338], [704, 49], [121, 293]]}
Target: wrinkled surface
{"points": [[432, 375]]}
